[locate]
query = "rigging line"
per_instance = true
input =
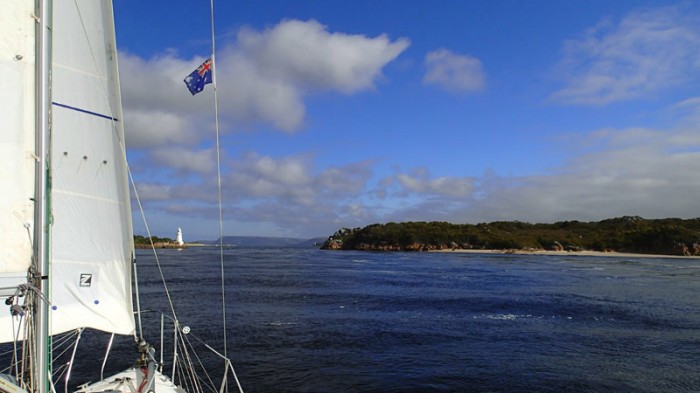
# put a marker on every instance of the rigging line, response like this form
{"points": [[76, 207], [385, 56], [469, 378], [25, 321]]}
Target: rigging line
{"points": [[150, 239], [138, 298], [72, 359], [202, 381], [187, 364], [218, 176], [229, 365]]}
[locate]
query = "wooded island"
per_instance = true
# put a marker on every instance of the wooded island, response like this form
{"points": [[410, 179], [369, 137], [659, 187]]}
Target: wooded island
{"points": [[629, 234]]}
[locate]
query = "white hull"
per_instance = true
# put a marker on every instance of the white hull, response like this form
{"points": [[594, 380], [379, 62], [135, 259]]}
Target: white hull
{"points": [[128, 381]]}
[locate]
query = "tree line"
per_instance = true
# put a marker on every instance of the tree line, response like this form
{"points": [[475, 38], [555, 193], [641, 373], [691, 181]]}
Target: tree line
{"points": [[143, 240], [669, 236]]}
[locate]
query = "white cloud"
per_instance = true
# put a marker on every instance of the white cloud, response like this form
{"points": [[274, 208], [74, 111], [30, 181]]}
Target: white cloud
{"points": [[153, 191], [250, 97], [309, 57], [267, 74], [157, 84], [453, 72], [648, 51], [418, 181], [344, 181], [635, 171], [689, 110], [146, 129], [291, 180], [158, 108], [186, 160], [642, 172], [693, 102], [285, 171], [283, 193], [263, 77]]}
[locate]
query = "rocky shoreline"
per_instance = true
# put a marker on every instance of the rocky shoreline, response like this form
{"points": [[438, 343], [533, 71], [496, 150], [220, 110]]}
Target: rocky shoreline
{"points": [[571, 253], [557, 249]]}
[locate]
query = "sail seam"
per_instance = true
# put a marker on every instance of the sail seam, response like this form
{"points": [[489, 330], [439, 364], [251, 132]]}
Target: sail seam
{"points": [[87, 196]]}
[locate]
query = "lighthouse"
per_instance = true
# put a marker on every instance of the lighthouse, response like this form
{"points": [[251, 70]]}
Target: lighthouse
{"points": [[178, 237]]}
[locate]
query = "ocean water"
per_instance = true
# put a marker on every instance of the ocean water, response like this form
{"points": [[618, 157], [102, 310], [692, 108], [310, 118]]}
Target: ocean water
{"points": [[329, 321]]}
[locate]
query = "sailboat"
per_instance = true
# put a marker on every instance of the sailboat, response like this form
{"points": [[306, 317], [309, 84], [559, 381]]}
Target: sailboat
{"points": [[66, 241]]}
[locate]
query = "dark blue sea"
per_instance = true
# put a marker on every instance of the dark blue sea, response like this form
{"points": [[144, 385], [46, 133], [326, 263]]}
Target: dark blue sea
{"points": [[304, 320]]}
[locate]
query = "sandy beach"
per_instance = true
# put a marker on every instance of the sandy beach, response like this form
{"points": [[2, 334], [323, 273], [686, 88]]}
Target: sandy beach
{"points": [[611, 254]]}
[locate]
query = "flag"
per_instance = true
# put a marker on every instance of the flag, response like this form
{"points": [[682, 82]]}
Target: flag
{"points": [[199, 77]]}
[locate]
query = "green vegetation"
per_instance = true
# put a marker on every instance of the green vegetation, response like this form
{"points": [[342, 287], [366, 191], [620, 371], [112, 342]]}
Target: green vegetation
{"points": [[143, 241], [670, 236]]}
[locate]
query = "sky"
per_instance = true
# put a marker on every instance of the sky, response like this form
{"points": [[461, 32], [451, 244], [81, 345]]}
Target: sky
{"points": [[339, 114]]}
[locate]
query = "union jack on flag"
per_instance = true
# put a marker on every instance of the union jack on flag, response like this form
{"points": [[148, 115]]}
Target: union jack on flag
{"points": [[199, 77]]}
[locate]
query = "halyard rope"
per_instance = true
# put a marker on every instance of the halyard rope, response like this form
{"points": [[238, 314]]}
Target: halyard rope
{"points": [[218, 177]]}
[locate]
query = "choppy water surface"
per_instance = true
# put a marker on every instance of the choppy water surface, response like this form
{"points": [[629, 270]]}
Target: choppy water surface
{"points": [[324, 321], [331, 321]]}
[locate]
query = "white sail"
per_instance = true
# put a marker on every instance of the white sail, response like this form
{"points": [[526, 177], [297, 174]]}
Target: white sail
{"points": [[91, 237], [16, 149], [84, 189]]}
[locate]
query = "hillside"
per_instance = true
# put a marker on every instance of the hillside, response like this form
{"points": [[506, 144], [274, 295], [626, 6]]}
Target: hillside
{"points": [[670, 236]]}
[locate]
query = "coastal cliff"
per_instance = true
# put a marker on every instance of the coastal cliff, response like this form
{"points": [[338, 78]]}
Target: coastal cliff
{"points": [[627, 234]]}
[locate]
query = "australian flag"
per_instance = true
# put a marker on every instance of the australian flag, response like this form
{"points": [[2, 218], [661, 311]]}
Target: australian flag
{"points": [[199, 77]]}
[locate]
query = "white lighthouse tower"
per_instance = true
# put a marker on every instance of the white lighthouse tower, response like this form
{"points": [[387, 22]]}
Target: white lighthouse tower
{"points": [[178, 237]]}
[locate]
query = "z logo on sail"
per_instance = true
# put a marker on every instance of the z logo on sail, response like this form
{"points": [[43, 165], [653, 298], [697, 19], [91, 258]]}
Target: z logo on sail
{"points": [[85, 280]]}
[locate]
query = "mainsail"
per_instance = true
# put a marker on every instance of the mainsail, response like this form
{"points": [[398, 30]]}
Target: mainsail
{"points": [[91, 235], [72, 210], [17, 140]]}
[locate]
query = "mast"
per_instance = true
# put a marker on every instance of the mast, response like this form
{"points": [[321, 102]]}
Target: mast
{"points": [[42, 365]]}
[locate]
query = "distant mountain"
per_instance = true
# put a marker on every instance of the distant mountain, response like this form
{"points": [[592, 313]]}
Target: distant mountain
{"points": [[262, 241]]}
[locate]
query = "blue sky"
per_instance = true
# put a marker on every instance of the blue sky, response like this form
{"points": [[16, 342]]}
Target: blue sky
{"points": [[347, 113]]}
